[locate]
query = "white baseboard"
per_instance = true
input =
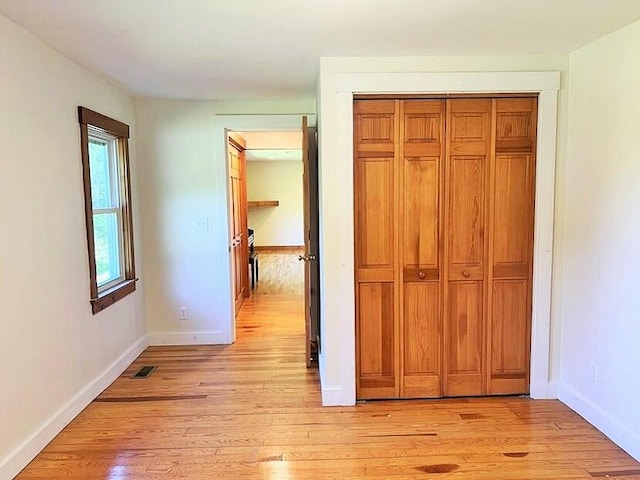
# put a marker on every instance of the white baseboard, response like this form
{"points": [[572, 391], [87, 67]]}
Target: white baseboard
{"points": [[189, 338], [612, 427], [24, 453]]}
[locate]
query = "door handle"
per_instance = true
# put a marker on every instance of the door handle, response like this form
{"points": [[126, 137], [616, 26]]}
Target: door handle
{"points": [[306, 258]]}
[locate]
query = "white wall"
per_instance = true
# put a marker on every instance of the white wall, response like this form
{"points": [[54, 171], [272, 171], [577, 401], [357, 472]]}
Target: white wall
{"points": [[601, 281], [336, 203], [276, 180], [55, 356], [272, 140], [183, 182]]}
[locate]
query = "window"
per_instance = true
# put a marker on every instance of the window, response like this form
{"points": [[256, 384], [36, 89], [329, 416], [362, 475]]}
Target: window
{"points": [[107, 198]]}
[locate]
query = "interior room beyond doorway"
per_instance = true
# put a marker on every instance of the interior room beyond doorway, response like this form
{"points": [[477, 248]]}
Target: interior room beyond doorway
{"points": [[275, 211]]}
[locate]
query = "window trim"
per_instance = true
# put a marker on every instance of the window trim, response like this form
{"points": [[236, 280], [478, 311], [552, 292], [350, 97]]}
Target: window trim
{"points": [[90, 120]]}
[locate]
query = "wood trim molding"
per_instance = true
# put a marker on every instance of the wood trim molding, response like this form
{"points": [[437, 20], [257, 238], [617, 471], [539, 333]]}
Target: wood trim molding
{"points": [[89, 117]]}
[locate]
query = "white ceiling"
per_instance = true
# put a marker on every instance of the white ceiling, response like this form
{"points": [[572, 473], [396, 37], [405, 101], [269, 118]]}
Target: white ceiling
{"points": [[255, 49]]}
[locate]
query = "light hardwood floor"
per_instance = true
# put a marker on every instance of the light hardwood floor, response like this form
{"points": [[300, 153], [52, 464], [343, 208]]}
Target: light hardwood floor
{"points": [[281, 273], [252, 411]]}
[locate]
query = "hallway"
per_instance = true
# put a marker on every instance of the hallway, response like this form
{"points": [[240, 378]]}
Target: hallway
{"points": [[252, 411]]}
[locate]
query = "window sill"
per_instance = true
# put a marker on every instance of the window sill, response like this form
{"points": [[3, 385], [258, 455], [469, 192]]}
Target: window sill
{"points": [[111, 296]]}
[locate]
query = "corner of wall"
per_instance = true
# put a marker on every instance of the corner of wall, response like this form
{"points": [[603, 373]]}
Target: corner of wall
{"points": [[612, 427], [24, 453]]}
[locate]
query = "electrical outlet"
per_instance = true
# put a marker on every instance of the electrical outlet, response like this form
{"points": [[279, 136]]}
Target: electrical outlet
{"points": [[593, 372], [184, 313]]}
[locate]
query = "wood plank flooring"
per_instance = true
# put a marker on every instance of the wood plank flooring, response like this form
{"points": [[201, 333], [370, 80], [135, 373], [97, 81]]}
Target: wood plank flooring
{"points": [[252, 411], [281, 273]]}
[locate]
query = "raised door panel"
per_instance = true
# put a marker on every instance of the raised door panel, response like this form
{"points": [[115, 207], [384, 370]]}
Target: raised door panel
{"points": [[464, 340], [422, 341], [375, 213], [516, 125], [421, 212], [238, 267], [512, 215], [375, 128], [509, 330], [466, 214], [234, 161], [376, 342]]}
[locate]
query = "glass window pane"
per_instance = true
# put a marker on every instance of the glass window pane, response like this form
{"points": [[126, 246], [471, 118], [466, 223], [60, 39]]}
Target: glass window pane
{"points": [[107, 247], [100, 173]]}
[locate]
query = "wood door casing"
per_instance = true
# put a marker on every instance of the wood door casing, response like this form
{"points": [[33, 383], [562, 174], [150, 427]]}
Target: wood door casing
{"points": [[376, 245], [468, 157]]}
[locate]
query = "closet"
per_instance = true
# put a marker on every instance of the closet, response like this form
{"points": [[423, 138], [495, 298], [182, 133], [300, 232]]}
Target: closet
{"points": [[444, 198]]}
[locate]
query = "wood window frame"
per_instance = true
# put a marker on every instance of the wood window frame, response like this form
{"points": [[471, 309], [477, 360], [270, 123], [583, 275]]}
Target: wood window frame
{"points": [[90, 120]]}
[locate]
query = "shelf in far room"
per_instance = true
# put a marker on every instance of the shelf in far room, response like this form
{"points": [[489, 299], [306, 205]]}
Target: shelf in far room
{"points": [[263, 203]]}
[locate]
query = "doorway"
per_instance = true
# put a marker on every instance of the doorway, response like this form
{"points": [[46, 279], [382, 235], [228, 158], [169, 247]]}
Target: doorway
{"points": [[273, 206]]}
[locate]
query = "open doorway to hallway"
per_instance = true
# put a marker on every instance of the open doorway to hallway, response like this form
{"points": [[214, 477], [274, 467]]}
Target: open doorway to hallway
{"points": [[270, 222], [227, 125]]}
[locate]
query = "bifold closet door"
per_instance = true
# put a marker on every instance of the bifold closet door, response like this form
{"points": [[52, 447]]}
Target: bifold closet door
{"points": [[422, 144], [444, 198], [511, 252], [376, 240], [467, 175]]}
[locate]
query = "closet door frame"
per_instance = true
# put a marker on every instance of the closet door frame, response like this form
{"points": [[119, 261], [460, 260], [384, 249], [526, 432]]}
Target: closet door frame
{"points": [[338, 104]]}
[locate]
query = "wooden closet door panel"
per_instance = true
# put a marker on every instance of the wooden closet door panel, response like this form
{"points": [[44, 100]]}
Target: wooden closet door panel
{"points": [[376, 353], [512, 215], [466, 182], [512, 246], [375, 183], [421, 212], [469, 135], [375, 128], [422, 142], [509, 337], [375, 213], [464, 344], [422, 340]]}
